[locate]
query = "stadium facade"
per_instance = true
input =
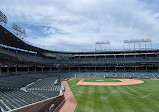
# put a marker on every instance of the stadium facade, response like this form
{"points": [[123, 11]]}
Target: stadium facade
{"points": [[17, 56]]}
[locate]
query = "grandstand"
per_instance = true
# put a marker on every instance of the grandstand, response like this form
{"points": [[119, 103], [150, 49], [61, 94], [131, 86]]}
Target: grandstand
{"points": [[29, 74]]}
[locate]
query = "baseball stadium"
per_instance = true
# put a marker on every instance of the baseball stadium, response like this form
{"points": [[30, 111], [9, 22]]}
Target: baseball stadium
{"points": [[34, 79]]}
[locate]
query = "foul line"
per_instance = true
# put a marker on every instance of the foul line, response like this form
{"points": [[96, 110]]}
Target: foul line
{"points": [[62, 101]]}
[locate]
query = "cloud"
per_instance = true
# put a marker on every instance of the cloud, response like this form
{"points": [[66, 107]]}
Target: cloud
{"points": [[77, 24]]}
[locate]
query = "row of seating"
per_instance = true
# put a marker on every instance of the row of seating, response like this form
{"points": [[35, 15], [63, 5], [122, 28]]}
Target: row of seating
{"points": [[124, 60], [45, 87], [27, 58], [140, 75], [24, 89], [42, 60]]}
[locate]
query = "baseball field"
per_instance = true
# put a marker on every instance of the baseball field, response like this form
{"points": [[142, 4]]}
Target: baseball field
{"points": [[126, 98]]}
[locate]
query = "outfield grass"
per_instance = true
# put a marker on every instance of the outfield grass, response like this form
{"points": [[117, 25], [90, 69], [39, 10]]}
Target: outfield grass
{"points": [[104, 80], [133, 98]]}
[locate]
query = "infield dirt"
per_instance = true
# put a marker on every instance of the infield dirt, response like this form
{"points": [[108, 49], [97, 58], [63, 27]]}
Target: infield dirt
{"points": [[123, 82]]}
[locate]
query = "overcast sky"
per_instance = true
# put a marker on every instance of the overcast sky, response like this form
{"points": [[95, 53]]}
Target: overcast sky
{"points": [[75, 25]]}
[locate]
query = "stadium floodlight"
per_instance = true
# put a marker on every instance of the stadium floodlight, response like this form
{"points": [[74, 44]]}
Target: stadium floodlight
{"points": [[107, 42], [103, 42], [102, 45], [3, 17], [148, 40], [143, 40], [137, 40], [97, 42], [132, 41], [18, 29], [126, 41], [1, 13]]}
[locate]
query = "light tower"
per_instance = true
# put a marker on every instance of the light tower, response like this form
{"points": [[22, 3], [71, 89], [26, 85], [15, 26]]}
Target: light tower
{"points": [[102, 46]]}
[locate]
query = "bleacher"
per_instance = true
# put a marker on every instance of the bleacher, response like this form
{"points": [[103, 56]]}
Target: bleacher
{"points": [[25, 89], [136, 75], [156, 74]]}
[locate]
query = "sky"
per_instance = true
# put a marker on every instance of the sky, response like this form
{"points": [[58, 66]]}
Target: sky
{"points": [[76, 25]]}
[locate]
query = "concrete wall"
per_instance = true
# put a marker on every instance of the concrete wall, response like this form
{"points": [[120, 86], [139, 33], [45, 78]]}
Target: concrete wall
{"points": [[48, 105]]}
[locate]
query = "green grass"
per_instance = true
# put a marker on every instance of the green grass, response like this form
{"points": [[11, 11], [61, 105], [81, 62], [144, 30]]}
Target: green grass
{"points": [[104, 80], [133, 98]]}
